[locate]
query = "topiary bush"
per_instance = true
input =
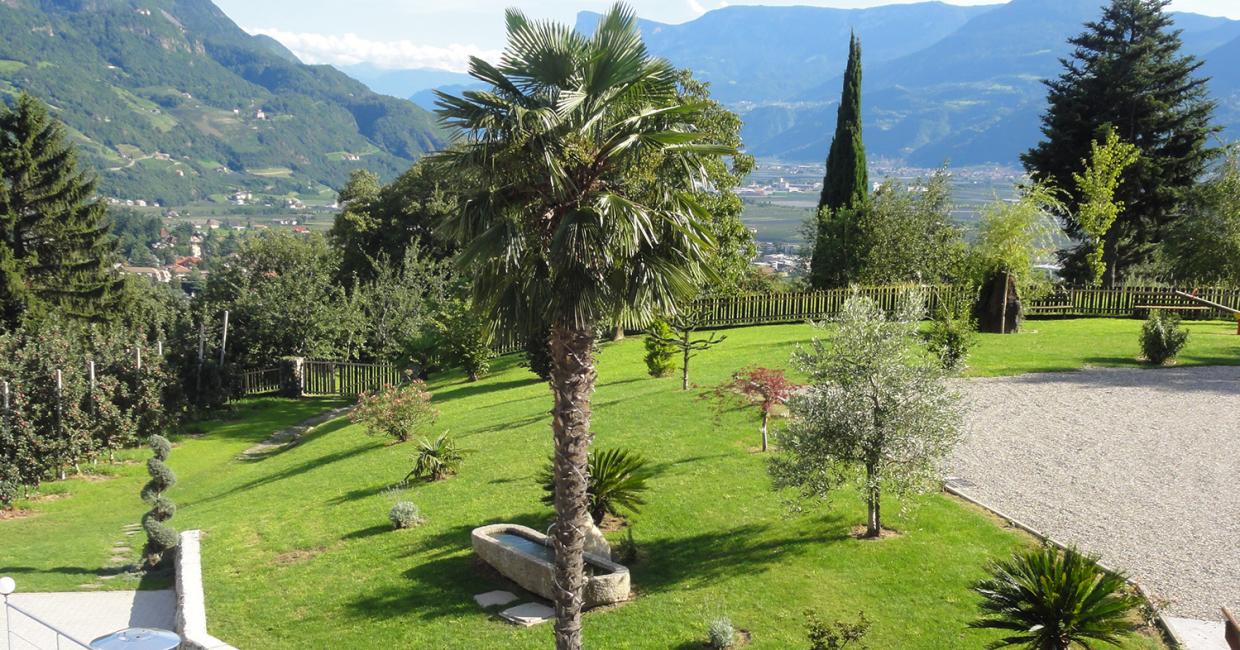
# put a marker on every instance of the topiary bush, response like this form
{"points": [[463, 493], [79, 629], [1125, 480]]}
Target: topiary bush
{"points": [[396, 411], [160, 537], [1162, 338], [404, 514], [436, 459], [660, 355], [720, 634]]}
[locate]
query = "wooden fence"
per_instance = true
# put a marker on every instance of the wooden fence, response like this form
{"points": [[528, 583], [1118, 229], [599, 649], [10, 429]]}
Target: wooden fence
{"points": [[325, 377], [763, 308], [263, 381], [1129, 302]]}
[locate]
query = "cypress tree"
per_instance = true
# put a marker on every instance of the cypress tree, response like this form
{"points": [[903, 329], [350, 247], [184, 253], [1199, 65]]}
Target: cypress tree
{"points": [[1126, 73], [844, 187], [55, 248]]}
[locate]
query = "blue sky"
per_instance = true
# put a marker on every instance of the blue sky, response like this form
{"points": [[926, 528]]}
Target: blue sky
{"points": [[443, 33]]}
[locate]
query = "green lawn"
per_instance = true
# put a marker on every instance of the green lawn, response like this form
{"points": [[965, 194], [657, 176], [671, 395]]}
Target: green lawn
{"points": [[298, 550]]}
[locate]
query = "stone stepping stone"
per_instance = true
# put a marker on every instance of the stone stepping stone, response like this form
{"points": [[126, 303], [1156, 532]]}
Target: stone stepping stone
{"points": [[494, 598], [528, 614]]}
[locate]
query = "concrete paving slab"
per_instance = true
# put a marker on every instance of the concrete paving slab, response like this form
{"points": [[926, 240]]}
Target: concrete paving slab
{"points": [[494, 598], [528, 614], [1199, 635]]}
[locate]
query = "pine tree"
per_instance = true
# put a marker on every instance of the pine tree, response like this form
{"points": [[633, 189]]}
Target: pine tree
{"points": [[1126, 73], [844, 186], [55, 248]]}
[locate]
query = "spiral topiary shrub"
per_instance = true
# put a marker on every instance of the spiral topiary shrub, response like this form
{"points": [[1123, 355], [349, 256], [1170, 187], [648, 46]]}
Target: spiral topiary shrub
{"points": [[160, 537]]}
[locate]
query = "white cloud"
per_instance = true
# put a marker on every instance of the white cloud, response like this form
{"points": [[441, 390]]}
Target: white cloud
{"points": [[696, 7], [349, 49]]}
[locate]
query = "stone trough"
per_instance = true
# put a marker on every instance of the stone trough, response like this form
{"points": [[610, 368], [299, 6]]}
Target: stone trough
{"points": [[525, 556]]}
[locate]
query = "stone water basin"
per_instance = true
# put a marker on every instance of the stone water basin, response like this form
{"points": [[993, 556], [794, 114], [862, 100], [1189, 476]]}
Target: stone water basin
{"points": [[524, 556]]}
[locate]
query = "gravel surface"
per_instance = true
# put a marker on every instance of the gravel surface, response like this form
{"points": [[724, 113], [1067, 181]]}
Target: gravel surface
{"points": [[1141, 466]]}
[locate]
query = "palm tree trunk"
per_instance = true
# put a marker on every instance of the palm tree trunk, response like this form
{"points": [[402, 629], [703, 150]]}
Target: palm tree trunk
{"points": [[572, 381]]}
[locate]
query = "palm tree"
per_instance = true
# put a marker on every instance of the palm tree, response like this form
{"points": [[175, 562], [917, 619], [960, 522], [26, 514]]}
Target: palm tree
{"points": [[1055, 600], [576, 168]]}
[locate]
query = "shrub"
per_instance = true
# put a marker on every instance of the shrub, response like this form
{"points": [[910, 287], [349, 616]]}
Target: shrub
{"points": [[720, 633], [616, 482], [1162, 338], [396, 411], [1052, 599], [404, 514], [436, 459], [950, 339], [160, 537], [837, 635], [660, 355], [464, 338], [538, 354]]}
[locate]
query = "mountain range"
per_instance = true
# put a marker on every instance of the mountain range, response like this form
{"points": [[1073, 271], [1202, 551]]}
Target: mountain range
{"points": [[941, 82], [172, 102]]}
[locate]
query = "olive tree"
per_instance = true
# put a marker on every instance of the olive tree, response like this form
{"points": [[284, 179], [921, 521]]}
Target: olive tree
{"points": [[877, 410]]}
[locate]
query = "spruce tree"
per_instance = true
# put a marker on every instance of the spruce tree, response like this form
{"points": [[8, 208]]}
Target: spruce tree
{"points": [[1126, 73], [55, 248], [844, 185]]}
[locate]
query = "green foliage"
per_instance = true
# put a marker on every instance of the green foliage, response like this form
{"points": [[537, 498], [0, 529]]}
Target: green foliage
{"points": [[1162, 337], [160, 537], [1126, 75], [396, 411], [838, 635], [720, 634], [846, 182], [1096, 186], [537, 352], [463, 339], [683, 324], [950, 339], [617, 481], [660, 354], [877, 410], [1204, 246], [55, 252], [1013, 236], [399, 305], [436, 459], [1047, 599], [405, 514]]}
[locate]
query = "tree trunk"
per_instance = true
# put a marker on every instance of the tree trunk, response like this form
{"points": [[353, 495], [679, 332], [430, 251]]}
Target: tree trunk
{"points": [[874, 523], [1003, 313], [766, 416], [684, 366], [572, 381]]}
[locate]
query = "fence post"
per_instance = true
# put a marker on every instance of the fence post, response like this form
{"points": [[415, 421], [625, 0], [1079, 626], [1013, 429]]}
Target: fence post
{"points": [[293, 376]]}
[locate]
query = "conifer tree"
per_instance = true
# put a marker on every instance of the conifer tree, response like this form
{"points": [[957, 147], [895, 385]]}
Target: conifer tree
{"points": [[844, 186], [1126, 73], [55, 248]]}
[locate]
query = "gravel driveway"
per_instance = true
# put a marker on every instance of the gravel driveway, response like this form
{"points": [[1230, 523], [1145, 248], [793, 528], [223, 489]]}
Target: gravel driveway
{"points": [[1141, 466]]}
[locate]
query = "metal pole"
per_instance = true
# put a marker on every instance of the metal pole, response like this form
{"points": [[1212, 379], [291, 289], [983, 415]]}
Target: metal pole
{"points": [[137, 350]]}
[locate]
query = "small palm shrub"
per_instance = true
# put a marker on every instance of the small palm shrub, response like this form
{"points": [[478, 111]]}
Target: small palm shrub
{"points": [[404, 514], [396, 411], [660, 355], [837, 635], [160, 537], [1162, 338], [720, 634], [1047, 599], [616, 482], [436, 459]]}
